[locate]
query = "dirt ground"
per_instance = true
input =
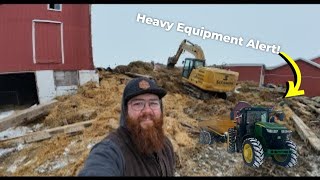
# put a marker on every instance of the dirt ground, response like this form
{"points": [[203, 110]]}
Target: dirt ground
{"points": [[64, 155]]}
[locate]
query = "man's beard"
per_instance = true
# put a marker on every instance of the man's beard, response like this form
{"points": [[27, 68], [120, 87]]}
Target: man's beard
{"points": [[150, 139]]}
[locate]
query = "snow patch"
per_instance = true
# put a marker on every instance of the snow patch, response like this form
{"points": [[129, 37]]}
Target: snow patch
{"points": [[20, 147], [6, 151], [19, 131], [52, 166], [36, 127], [14, 132], [5, 114]]}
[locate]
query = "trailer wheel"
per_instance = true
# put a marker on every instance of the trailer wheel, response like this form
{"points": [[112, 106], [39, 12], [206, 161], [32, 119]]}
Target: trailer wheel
{"points": [[205, 137], [231, 140], [252, 152], [287, 160]]}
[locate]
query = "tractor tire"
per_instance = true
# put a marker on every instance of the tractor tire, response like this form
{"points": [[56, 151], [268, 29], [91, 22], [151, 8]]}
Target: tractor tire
{"points": [[252, 152], [287, 160], [231, 140], [205, 137]]}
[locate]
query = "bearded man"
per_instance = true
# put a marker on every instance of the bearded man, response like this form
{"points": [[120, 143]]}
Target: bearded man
{"points": [[139, 146]]}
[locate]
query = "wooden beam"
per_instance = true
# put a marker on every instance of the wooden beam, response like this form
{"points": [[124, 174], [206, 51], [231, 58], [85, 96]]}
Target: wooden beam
{"points": [[138, 75], [306, 133], [48, 133], [311, 104], [27, 115]]}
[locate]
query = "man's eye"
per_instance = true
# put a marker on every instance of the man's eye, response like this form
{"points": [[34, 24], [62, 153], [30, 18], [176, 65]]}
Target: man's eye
{"points": [[154, 104], [138, 103]]}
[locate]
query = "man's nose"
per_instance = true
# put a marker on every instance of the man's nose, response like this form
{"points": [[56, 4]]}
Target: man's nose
{"points": [[147, 107]]}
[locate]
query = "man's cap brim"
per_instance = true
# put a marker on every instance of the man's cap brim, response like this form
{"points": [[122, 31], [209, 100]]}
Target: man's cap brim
{"points": [[157, 91]]}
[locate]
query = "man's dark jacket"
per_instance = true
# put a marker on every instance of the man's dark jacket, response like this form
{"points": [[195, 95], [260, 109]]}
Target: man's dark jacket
{"points": [[116, 156]]}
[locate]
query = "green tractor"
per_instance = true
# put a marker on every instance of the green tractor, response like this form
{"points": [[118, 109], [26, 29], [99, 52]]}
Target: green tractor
{"points": [[256, 136]]}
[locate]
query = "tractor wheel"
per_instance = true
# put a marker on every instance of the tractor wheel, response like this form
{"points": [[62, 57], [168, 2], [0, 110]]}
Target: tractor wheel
{"points": [[231, 140], [252, 152], [287, 160], [205, 137]]}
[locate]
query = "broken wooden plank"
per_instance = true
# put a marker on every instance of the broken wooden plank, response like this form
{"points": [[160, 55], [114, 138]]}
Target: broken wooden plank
{"points": [[191, 129], [138, 75], [186, 125], [38, 136], [70, 129], [317, 110], [311, 104], [306, 133], [27, 115]]}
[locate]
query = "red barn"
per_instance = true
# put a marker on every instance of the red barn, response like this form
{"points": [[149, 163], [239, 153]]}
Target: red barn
{"points": [[310, 72], [249, 72], [45, 51], [279, 75]]}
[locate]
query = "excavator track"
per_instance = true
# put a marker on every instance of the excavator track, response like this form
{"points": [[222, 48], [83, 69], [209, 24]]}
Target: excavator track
{"points": [[200, 94]]}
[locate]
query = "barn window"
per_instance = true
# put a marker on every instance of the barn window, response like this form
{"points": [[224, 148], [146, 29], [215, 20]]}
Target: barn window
{"points": [[66, 78], [55, 7]]}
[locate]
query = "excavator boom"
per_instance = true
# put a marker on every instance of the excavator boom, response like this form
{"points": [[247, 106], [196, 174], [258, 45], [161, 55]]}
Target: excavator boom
{"points": [[186, 45]]}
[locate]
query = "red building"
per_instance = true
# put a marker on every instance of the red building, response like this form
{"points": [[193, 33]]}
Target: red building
{"points": [[249, 72], [316, 60], [279, 75], [45, 51], [310, 72]]}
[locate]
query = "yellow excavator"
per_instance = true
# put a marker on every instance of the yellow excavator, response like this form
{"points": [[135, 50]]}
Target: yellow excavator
{"points": [[200, 81]]}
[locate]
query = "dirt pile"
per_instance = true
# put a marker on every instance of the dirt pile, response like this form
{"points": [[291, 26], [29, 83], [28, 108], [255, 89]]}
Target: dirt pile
{"points": [[170, 79], [64, 155]]}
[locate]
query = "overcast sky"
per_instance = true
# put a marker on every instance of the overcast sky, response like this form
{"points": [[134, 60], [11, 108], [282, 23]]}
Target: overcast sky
{"points": [[118, 38]]}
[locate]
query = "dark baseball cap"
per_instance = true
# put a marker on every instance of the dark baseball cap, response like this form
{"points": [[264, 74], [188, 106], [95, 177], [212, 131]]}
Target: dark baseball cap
{"points": [[142, 85]]}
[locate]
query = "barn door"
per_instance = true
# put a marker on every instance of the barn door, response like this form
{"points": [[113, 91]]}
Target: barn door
{"points": [[47, 42]]}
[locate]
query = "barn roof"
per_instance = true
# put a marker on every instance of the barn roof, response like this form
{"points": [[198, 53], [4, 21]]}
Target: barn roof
{"points": [[309, 62], [316, 60], [246, 64]]}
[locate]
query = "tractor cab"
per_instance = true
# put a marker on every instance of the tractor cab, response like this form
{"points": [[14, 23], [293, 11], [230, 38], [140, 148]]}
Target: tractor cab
{"points": [[248, 118], [256, 136]]}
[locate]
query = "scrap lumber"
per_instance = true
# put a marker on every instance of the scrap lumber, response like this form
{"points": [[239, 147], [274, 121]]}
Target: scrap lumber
{"points": [[70, 129], [138, 75], [190, 129], [27, 115], [306, 133], [310, 104]]}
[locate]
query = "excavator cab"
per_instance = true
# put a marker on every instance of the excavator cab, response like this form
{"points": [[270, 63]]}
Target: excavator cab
{"points": [[190, 64]]}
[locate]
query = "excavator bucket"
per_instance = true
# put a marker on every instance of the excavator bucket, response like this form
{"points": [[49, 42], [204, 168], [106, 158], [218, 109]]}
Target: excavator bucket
{"points": [[170, 63]]}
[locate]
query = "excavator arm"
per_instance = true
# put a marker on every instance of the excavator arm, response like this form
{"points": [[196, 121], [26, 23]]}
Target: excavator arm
{"points": [[186, 46]]}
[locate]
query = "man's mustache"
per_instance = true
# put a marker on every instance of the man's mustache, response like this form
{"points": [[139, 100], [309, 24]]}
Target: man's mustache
{"points": [[147, 116]]}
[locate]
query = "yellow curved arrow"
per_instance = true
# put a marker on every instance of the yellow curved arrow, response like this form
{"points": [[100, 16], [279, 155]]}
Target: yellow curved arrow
{"points": [[293, 87]]}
